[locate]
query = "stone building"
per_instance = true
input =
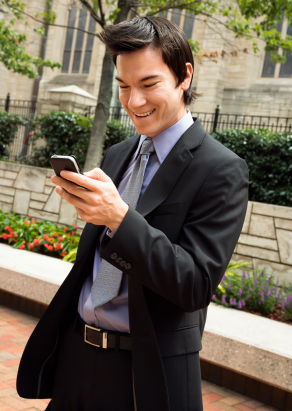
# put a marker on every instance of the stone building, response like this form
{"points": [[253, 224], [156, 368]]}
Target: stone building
{"points": [[240, 81]]}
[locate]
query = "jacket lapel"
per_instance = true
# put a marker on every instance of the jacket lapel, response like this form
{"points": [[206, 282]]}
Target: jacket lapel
{"points": [[120, 162], [171, 169]]}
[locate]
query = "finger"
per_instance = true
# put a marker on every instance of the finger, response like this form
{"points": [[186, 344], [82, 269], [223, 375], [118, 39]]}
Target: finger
{"points": [[71, 199], [98, 174], [80, 179]]}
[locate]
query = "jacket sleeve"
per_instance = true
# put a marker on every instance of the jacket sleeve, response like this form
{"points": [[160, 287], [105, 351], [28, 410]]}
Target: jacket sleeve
{"points": [[189, 272]]}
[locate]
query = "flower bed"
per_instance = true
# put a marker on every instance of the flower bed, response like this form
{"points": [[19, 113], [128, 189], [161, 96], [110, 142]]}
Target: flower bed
{"points": [[255, 292], [42, 237]]}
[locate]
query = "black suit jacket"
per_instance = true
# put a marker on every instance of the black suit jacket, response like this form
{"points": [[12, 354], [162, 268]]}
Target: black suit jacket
{"points": [[178, 242]]}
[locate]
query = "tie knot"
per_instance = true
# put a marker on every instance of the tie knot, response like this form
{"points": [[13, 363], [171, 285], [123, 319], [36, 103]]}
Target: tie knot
{"points": [[147, 147]]}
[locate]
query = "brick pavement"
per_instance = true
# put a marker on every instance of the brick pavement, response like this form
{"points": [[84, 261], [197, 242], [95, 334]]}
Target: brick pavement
{"points": [[16, 327]]}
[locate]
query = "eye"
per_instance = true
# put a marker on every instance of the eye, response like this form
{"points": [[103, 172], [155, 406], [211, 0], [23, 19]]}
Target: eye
{"points": [[124, 86], [150, 85]]}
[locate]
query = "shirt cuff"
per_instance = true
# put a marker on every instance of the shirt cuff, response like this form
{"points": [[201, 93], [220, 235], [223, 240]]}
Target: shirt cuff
{"points": [[110, 233]]}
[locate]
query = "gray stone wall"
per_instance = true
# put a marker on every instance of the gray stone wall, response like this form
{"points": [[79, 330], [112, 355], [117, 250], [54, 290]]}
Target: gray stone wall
{"points": [[28, 191], [265, 240]]}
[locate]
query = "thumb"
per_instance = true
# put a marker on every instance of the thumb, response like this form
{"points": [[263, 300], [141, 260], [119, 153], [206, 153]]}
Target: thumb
{"points": [[98, 174]]}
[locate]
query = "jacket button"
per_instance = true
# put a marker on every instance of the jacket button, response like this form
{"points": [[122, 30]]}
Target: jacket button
{"points": [[114, 256], [118, 260], [128, 266], [123, 263]]}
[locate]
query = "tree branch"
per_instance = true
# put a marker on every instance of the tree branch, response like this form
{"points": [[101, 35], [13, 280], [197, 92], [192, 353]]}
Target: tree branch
{"points": [[101, 11], [59, 25], [99, 20]]}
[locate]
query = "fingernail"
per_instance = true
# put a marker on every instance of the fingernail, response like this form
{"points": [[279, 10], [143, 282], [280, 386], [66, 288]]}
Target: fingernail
{"points": [[58, 189], [63, 173]]}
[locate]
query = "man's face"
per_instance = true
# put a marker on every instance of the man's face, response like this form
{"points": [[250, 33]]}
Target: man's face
{"points": [[148, 90]]}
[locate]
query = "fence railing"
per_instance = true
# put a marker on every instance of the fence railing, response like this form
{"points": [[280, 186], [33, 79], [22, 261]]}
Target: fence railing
{"points": [[21, 145], [214, 121]]}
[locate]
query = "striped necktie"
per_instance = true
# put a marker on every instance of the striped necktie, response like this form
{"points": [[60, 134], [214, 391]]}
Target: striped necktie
{"points": [[108, 280]]}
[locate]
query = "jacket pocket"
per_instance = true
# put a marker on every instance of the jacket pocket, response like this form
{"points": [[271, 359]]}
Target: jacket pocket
{"points": [[170, 208], [179, 342]]}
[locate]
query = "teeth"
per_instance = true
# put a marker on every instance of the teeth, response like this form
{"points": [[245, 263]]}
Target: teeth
{"points": [[145, 114]]}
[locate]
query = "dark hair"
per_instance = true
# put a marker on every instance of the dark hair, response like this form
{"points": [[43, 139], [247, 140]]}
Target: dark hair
{"points": [[135, 34]]}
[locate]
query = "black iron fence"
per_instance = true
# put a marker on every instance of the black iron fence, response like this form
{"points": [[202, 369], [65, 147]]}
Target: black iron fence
{"points": [[21, 145], [214, 121]]}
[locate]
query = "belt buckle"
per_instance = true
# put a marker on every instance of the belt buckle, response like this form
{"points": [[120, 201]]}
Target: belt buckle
{"points": [[104, 336]]}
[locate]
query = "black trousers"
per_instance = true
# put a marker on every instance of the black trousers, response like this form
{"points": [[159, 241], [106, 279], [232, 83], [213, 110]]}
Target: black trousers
{"points": [[90, 378]]}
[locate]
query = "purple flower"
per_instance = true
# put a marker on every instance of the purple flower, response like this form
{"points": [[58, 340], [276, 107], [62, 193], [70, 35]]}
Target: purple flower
{"points": [[214, 297], [262, 273], [283, 305], [248, 296], [239, 304], [255, 282], [242, 303], [270, 278], [250, 289], [239, 292], [243, 275], [277, 283], [229, 286], [223, 298], [269, 293], [289, 297]]}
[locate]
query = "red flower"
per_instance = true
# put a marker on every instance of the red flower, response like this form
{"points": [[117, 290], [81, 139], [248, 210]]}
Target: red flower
{"points": [[33, 226], [22, 247], [55, 234], [59, 246], [60, 238], [12, 215], [66, 228], [46, 237], [50, 247], [46, 245], [76, 226], [5, 236], [36, 241], [30, 246], [8, 228], [72, 233], [25, 222], [64, 253], [16, 235], [33, 221]]}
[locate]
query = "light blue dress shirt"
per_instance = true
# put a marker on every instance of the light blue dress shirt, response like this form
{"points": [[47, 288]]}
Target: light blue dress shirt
{"points": [[114, 315]]}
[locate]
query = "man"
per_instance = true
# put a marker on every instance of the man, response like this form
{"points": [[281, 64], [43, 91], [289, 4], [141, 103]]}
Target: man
{"points": [[163, 217]]}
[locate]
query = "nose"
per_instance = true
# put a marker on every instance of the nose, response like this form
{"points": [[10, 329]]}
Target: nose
{"points": [[136, 99]]}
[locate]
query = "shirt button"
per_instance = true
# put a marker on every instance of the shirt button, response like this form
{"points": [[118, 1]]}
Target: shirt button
{"points": [[114, 256], [128, 266]]}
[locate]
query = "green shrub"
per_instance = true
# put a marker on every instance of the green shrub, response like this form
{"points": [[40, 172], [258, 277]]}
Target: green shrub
{"points": [[269, 159], [68, 133], [9, 124]]}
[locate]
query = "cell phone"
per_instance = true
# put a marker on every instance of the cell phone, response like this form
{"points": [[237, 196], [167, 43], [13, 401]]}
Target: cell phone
{"points": [[69, 163]]}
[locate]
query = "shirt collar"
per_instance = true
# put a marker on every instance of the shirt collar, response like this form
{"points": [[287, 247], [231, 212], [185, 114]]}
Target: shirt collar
{"points": [[165, 140]]}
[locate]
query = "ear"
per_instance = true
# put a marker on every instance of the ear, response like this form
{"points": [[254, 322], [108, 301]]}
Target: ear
{"points": [[187, 81]]}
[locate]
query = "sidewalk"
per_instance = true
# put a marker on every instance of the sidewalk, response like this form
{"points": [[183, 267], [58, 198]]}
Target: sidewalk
{"points": [[15, 329]]}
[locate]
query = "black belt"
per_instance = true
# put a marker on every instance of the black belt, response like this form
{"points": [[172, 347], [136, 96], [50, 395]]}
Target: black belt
{"points": [[101, 338]]}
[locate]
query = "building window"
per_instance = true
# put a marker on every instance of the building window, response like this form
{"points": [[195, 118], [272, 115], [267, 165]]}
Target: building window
{"points": [[278, 70], [185, 20], [78, 45]]}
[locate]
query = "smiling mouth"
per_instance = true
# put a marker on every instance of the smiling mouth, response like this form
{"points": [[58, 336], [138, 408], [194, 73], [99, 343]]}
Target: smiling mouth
{"points": [[144, 115]]}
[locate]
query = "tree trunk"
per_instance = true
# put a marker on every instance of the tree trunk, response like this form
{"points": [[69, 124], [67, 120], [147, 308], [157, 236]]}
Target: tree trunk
{"points": [[98, 131]]}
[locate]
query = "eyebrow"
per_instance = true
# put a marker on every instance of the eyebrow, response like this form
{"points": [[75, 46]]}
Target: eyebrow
{"points": [[142, 79]]}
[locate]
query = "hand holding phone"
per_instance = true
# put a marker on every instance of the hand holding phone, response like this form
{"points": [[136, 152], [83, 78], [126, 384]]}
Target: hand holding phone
{"points": [[69, 163]]}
